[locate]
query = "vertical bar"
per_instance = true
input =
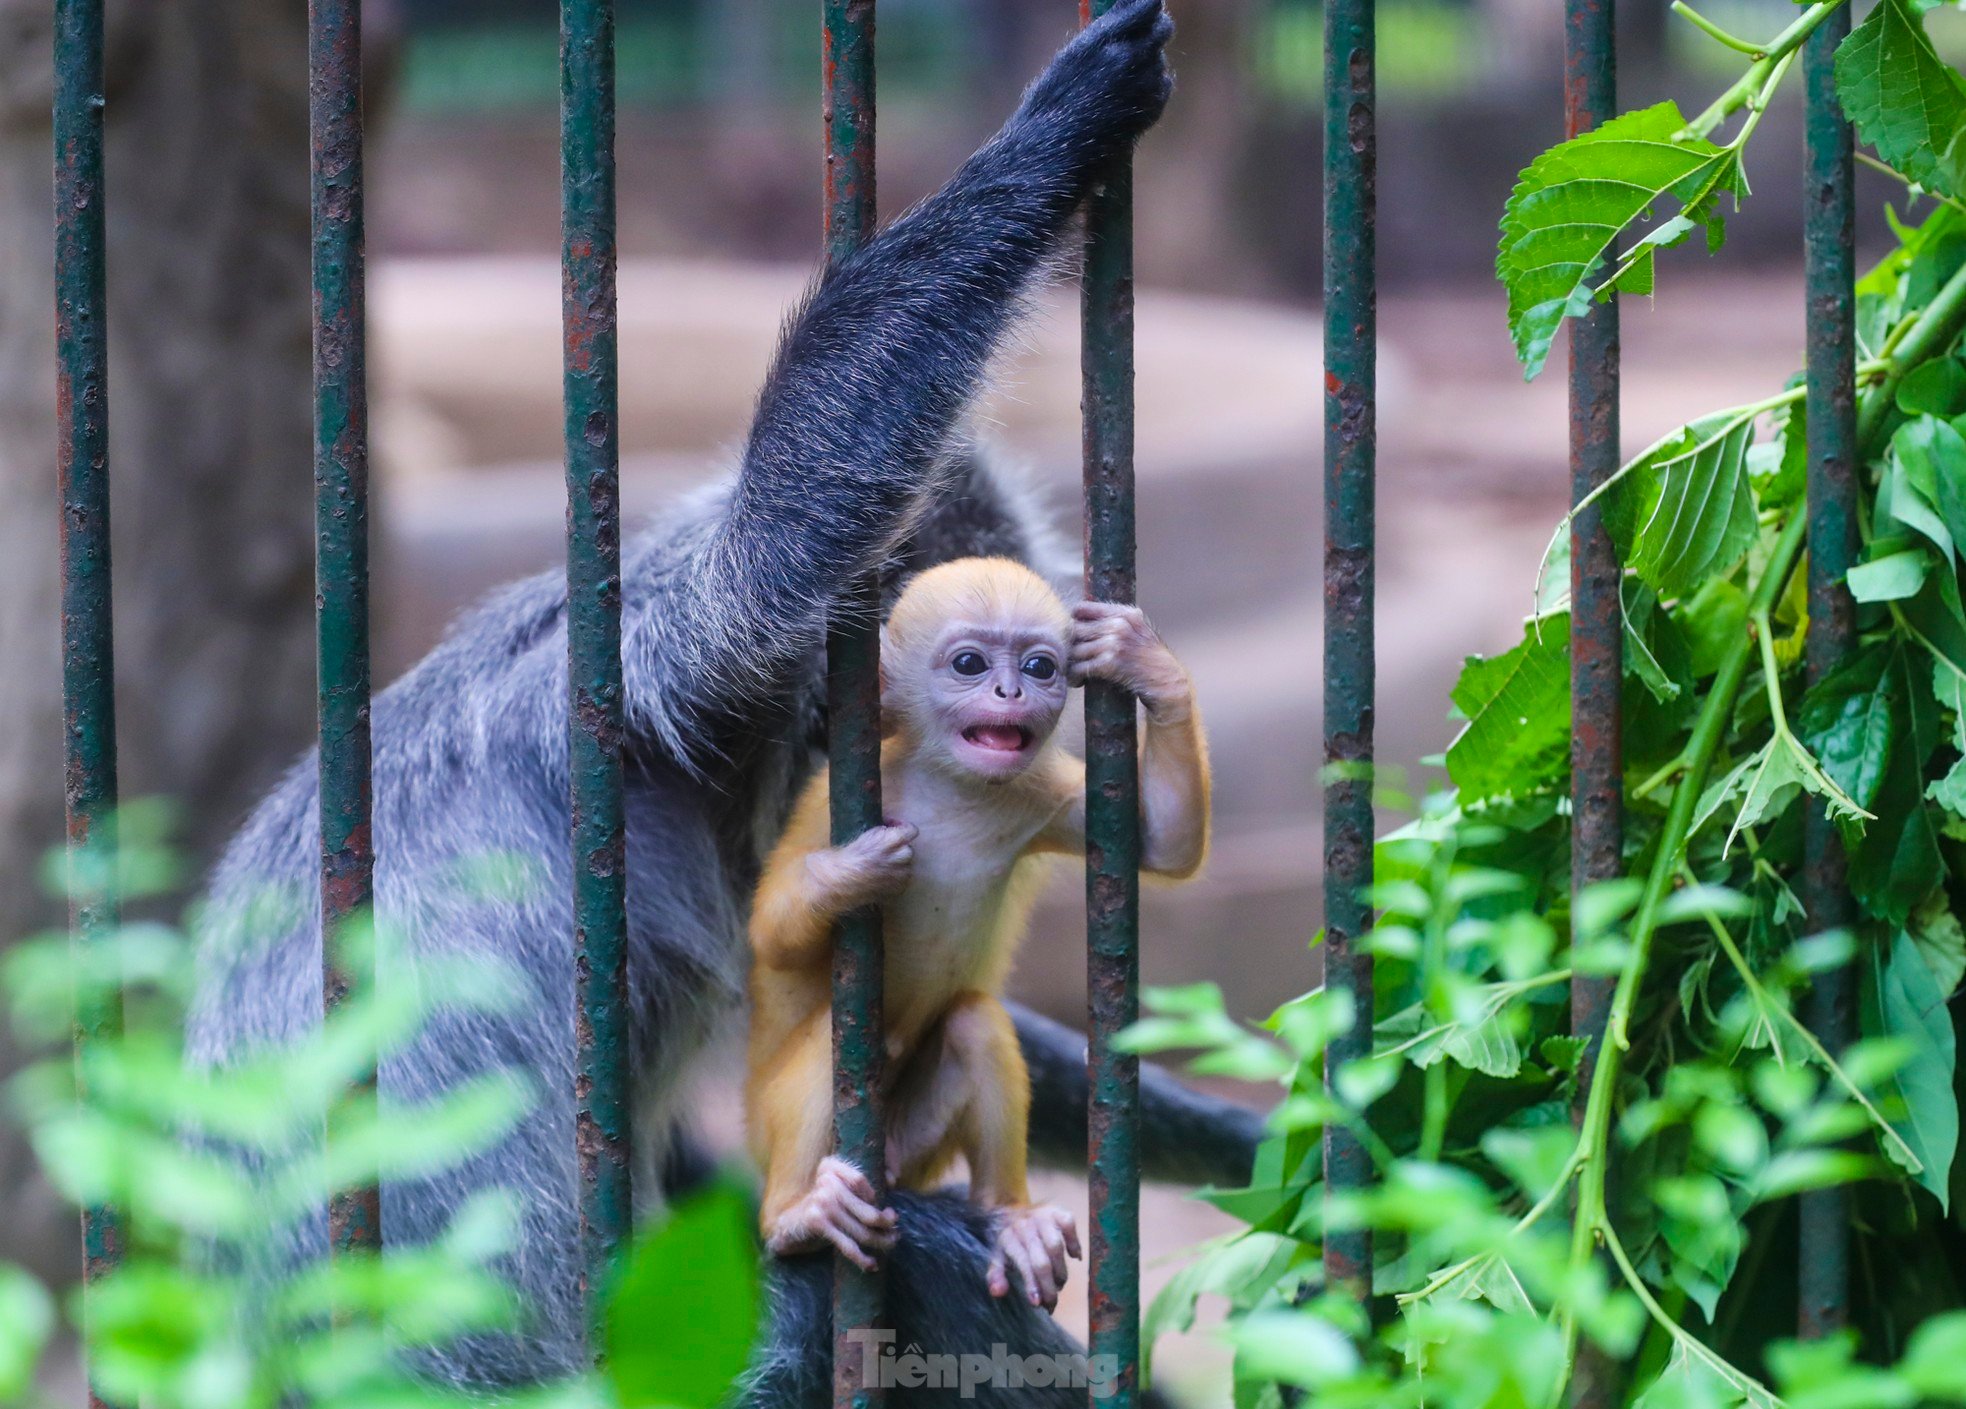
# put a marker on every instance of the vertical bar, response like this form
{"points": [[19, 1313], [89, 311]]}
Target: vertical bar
{"points": [[341, 515], [88, 670], [1590, 84], [1830, 273], [1112, 784], [1351, 339], [853, 697], [592, 396]]}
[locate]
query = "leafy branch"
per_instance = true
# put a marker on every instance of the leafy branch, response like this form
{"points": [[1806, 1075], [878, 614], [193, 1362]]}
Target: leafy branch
{"points": [[1574, 201], [1936, 328]]}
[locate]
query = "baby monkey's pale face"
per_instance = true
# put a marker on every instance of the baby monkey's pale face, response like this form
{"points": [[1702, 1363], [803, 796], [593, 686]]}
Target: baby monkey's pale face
{"points": [[992, 695]]}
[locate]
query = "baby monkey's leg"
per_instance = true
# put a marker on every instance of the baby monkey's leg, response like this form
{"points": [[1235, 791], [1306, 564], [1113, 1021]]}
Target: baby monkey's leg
{"points": [[813, 1198], [990, 1130], [928, 1123]]}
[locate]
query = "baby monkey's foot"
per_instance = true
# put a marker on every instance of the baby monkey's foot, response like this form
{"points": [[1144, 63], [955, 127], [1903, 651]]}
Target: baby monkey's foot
{"points": [[1036, 1242], [840, 1210]]}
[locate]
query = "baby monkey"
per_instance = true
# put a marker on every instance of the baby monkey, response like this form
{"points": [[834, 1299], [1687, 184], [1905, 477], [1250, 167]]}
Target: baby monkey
{"points": [[977, 656]]}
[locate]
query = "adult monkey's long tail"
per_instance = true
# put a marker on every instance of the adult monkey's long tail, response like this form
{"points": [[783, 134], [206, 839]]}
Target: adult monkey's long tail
{"points": [[874, 371]]}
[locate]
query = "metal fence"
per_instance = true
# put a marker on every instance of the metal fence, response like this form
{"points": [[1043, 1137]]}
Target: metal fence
{"points": [[594, 626]]}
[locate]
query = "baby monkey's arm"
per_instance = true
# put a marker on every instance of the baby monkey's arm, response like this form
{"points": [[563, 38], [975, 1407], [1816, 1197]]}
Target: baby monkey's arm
{"points": [[1117, 643], [807, 885]]}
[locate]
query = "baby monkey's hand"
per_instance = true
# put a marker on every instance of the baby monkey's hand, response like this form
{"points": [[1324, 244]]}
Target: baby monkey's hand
{"points": [[1034, 1241], [875, 865], [1118, 643]]}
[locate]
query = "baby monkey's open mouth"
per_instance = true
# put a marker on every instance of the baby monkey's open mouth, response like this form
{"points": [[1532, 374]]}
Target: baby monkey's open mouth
{"points": [[1002, 738]]}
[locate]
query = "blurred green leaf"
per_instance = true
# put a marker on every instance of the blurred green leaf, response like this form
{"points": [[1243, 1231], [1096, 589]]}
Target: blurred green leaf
{"points": [[683, 1310], [27, 1320]]}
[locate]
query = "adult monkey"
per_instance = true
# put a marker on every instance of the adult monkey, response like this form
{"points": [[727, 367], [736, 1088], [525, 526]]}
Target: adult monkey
{"points": [[850, 465]]}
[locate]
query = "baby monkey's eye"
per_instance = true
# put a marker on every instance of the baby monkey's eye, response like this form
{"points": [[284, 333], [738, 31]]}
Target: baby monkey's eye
{"points": [[1040, 667], [969, 663]]}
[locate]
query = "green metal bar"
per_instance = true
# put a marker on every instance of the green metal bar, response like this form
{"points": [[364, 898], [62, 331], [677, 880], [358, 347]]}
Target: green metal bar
{"points": [[1112, 784], [853, 697], [593, 463], [341, 516], [1350, 448], [88, 668], [1590, 96], [1829, 245]]}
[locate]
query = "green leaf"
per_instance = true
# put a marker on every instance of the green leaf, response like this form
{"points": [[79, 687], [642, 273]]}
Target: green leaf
{"points": [[1713, 621], [1927, 481], [1656, 654], [1780, 472], [1935, 1359], [1683, 512], [1571, 203], [27, 1320], [1891, 578], [1849, 723], [1291, 1347], [1766, 782], [1517, 704], [1941, 942], [683, 1311], [1935, 388], [1874, 724], [1906, 102], [1900, 998], [1534, 1160], [1696, 1378], [1233, 1265]]}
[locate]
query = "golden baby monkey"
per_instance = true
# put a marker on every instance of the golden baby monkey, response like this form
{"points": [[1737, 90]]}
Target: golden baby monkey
{"points": [[976, 659]]}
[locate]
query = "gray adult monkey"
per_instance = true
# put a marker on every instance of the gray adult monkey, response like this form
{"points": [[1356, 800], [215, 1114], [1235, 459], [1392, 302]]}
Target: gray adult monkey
{"points": [[852, 464]]}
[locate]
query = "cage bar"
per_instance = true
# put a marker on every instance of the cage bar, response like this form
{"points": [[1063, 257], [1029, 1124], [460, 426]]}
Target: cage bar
{"points": [[341, 516], [1829, 252], [1350, 447], [853, 700], [591, 371], [88, 674], [1112, 784], [1590, 87]]}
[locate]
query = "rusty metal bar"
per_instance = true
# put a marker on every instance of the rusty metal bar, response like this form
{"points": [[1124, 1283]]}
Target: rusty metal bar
{"points": [[1829, 245], [1112, 784], [853, 707], [1351, 344], [341, 515], [594, 699], [88, 669], [1590, 88]]}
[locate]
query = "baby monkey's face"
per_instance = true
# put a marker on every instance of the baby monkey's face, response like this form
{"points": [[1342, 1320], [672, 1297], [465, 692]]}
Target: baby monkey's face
{"points": [[993, 693]]}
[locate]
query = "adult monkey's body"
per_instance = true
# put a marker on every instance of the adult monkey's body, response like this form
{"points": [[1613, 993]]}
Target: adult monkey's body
{"points": [[849, 464]]}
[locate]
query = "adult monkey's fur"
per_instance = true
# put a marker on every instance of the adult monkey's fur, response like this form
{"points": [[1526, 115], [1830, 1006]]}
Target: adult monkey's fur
{"points": [[850, 465]]}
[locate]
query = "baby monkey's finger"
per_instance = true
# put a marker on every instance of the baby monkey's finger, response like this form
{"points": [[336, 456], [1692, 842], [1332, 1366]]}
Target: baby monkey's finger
{"points": [[858, 1192], [1048, 1282], [1020, 1258], [1070, 1226], [996, 1275], [1052, 1231], [877, 1237], [848, 1248]]}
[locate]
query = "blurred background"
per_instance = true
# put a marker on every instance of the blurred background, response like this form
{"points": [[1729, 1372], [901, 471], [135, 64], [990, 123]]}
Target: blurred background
{"points": [[720, 221]]}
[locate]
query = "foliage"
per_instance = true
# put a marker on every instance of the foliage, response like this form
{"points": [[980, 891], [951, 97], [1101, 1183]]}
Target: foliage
{"points": [[209, 1170], [1537, 1202]]}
